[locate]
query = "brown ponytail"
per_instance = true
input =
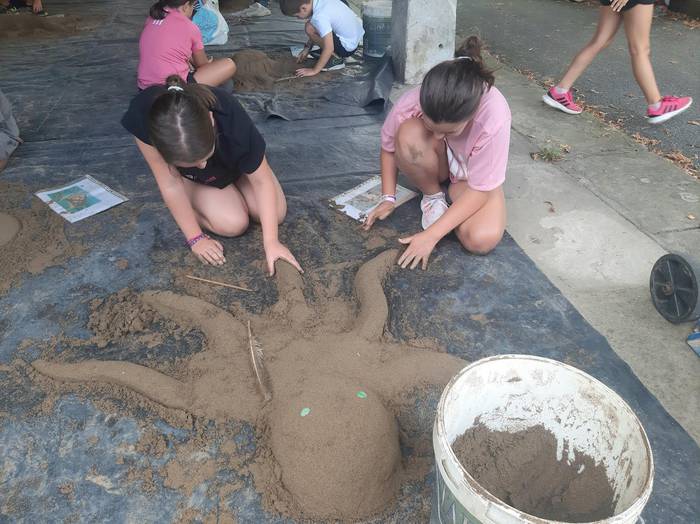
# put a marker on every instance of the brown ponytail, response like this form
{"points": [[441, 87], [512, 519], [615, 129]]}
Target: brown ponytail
{"points": [[179, 124], [158, 11], [452, 90]]}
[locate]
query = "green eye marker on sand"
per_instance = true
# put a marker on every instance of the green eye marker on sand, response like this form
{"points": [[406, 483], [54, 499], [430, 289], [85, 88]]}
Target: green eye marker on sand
{"points": [[304, 412], [361, 394]]}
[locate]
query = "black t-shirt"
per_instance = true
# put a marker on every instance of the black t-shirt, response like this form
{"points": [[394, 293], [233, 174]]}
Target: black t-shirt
{"points": [[239, 146]]}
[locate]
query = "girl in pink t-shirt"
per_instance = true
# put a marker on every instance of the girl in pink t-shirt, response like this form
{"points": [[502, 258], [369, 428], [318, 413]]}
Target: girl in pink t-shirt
{"points": [[170, 41], [454, 129]]}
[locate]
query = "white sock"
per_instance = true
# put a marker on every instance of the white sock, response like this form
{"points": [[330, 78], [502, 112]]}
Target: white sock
{"points": [[655, 106], [560, 90], [435, 196]]}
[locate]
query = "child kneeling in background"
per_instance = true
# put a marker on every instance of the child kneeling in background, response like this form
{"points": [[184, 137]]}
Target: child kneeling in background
{"points": [[209, 162], [331, 25], [169, 41], [454, 129]]}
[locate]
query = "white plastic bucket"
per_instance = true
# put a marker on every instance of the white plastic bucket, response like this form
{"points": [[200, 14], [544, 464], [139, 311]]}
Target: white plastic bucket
{"points": [[516, 392], [376, 19]]}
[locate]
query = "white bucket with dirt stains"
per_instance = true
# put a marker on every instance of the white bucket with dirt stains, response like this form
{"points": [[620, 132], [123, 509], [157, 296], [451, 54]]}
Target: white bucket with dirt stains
{"points": [[516, 392]]}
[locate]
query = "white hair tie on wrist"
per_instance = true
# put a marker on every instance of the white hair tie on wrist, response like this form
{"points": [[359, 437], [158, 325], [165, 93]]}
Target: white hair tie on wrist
{"points": [[463, 58], [175, 88]]}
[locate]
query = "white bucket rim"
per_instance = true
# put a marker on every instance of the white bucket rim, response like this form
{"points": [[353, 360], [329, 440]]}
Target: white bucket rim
{"points": [[441, 433]]}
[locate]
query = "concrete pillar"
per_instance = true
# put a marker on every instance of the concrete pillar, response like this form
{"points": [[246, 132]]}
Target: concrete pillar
{"points": [[422, 34]]}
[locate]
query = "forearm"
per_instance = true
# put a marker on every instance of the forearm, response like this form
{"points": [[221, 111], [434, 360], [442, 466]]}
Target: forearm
{"points": [[387, 162], [180, 208], [199, 58], [265, 193], [464, 207]]}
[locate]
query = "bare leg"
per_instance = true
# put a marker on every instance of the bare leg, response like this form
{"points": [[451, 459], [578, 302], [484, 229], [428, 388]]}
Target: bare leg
{"points": [[638, 28], [216, 72], [421, 157], [482, 231], [246, 189], [221, 211], [374, 310], [608, 24]]}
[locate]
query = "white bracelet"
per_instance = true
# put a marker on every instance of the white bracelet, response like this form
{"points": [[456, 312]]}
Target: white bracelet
{"points": [[389, 198]]}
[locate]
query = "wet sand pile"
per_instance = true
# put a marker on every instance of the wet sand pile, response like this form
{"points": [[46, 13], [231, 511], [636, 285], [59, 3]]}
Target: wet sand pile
{"points": [[522, 470], [9, 227], [330, 422], [28, 25], [328, 443], [31, 237], [258, 71]]}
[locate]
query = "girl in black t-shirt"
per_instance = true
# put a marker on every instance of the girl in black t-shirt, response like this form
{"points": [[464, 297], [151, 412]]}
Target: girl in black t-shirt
{"points": [[209, 162]]}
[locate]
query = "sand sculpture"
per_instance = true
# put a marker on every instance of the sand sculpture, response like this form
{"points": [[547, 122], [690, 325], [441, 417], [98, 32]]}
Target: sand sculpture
{"points": [[330, 438]]}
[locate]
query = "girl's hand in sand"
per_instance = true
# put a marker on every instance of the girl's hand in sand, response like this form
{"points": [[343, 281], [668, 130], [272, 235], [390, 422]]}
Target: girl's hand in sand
{"points": [[306, 71], [275, 251], [380, 212], [209, 251], [418, 251], [617, 5]]}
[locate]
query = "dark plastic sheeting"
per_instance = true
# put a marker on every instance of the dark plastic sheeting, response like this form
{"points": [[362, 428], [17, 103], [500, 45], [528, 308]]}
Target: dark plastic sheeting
{"points": [[68, 96]]}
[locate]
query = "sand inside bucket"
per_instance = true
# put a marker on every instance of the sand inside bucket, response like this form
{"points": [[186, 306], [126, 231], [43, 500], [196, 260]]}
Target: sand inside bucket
{"points": [[522, 470]]}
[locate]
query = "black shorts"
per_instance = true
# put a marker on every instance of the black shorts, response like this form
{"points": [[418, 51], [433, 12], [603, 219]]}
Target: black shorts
{"points": [[338, 48], [630, 4]]}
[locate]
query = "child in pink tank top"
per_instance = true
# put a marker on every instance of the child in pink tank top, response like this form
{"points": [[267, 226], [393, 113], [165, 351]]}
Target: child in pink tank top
{"points": [[170, 42], [453, 130]]}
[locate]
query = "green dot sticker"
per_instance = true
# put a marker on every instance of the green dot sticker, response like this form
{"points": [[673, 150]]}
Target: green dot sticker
{"points": [[304, 412], [361, 394]]}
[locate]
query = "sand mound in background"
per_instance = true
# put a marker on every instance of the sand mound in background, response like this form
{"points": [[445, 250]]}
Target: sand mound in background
{"points": [[28, 25], [258, 71], [9, 227], [34, 238]]}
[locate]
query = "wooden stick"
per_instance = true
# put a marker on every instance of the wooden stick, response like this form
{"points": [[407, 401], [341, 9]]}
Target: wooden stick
{"points": [[285, 78], [217, 283]]}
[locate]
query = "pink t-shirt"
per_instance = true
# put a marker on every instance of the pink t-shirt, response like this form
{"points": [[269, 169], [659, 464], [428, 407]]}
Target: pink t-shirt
{"points": [[165, 47], [479, 154]]}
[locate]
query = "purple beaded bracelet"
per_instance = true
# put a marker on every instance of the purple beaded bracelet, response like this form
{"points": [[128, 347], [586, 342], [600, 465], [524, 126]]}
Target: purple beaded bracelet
{"points": [[192, 241]]}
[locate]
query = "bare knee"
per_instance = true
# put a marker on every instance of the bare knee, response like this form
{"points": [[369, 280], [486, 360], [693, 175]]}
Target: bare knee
{"points": [[412, 146], [598, 44], [230, 67], [639, 49], [478, 242], [233, 226]]}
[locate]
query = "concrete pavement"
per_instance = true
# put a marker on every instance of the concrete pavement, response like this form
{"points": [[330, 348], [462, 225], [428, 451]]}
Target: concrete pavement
{"points": [[542, 36], [594, 223]]}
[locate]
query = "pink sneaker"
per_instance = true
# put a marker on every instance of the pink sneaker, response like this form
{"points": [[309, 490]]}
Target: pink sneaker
{"points": [[670, 107], [562, 101]]}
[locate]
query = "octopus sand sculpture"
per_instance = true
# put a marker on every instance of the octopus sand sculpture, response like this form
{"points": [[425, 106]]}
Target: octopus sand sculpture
{"points": [[330, 431]]}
